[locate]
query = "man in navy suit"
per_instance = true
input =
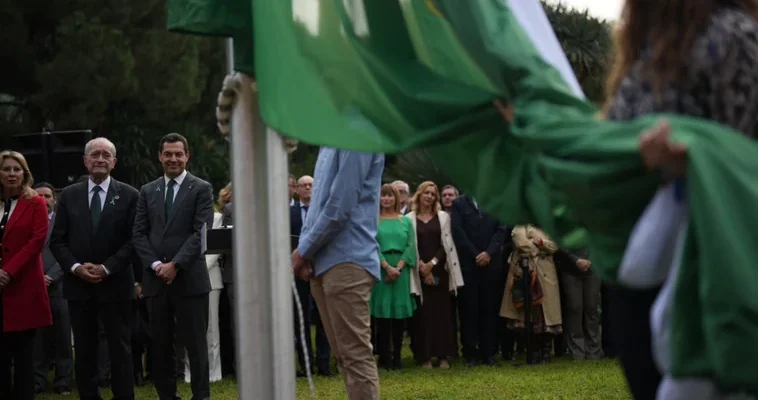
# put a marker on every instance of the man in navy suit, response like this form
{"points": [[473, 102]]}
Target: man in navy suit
{"points": [[479, 239], [298, 212]]}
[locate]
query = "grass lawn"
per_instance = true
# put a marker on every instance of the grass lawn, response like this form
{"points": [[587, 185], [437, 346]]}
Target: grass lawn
{"points": [[562, 379]]}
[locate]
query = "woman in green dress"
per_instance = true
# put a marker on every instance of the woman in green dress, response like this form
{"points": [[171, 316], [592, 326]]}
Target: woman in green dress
{"points": [[391, 302]]}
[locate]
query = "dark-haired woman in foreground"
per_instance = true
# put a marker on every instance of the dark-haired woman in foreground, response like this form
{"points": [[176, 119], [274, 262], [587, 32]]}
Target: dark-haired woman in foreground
{"points": [[697, 58]]}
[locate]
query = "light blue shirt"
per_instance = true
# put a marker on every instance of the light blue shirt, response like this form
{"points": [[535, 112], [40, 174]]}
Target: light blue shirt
{"points": [[344, 211]]}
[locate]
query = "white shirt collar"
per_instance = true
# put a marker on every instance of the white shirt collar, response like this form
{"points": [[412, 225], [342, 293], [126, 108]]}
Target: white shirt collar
{"points": [[103, 185], [179, 179]]}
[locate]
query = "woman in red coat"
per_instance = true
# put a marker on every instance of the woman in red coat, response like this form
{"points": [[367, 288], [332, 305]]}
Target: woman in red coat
{"points": [[25, 305]]}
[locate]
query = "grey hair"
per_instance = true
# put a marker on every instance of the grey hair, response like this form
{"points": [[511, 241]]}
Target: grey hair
{"points": [[455, 189], [88, 146], [407, 188]]}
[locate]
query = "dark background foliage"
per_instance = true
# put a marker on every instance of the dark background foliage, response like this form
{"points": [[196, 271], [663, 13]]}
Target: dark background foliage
{"points": [[113, 68]]}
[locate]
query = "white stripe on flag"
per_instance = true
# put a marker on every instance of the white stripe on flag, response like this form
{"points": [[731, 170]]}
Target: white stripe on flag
{"points": [[535, 24]]}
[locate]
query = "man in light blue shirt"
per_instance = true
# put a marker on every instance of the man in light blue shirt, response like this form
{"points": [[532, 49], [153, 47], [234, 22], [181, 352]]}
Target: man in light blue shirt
{"points": [[339, 253]]}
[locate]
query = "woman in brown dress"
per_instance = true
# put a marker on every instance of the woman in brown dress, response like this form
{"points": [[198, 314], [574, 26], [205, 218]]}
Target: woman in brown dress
{"points": [[435, 281]]}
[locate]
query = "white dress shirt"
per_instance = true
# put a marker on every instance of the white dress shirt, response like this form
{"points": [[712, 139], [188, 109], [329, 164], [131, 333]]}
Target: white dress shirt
{"points": [[104, 185], [179, 179]]}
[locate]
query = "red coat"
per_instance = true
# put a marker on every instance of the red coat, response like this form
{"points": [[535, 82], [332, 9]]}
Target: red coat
{"points": [[25, 301]]}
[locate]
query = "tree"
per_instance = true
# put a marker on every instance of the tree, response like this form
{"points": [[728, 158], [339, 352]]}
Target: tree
{"points": [[115, 70]]}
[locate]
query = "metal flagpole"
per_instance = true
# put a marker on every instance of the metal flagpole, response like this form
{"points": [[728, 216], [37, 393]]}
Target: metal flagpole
{"points": [[262, 273]]}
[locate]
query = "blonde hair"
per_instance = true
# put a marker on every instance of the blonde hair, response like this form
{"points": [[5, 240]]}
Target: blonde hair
{"points": [[416, 202], [28, 181], [389, 189], [225, 195]]}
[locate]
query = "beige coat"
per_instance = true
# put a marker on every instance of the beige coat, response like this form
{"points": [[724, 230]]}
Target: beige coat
{"points": [[452, 266], [211, 260], [541, 259]]}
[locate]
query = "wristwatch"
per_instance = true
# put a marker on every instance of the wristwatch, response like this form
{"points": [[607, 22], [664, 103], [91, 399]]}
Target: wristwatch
{"points": [[434, 262]]}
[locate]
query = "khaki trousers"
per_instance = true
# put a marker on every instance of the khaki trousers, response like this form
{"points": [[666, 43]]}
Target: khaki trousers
{"points": [[342, 295]]}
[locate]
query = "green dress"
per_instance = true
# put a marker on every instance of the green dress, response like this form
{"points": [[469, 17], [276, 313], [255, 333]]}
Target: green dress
{"points": [[397, 241]]}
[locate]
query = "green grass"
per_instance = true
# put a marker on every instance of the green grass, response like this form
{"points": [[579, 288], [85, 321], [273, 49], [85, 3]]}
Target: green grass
{"points": [[561, 379]]}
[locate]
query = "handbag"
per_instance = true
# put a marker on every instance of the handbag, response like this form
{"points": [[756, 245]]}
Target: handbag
{"points": [[535, 289]]}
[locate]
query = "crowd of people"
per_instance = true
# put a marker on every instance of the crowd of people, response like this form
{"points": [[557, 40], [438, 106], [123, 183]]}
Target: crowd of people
{"points": [[449, 281]]}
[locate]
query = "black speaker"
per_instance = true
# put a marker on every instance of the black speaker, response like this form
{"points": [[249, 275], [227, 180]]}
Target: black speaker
{"points": [[54, 157]]}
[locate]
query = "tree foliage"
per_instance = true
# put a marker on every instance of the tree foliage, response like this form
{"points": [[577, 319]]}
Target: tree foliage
{"points": [[113, 68]]}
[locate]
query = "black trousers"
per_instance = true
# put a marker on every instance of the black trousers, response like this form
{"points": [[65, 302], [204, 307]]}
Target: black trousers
{"points": [[479, 313], [311, 317], [116, 318], [140, 337], [17, 364], [185, 318], [389, 337], [52, 345], [630, 325]]}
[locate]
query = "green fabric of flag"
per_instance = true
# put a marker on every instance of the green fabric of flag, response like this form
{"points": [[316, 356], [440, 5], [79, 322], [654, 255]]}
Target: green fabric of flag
{"points": [[224, 18], [557, 145]]}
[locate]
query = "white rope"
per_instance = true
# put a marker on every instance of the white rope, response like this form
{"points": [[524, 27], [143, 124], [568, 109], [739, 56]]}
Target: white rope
{"points": [[225, 104], [303, 343]]}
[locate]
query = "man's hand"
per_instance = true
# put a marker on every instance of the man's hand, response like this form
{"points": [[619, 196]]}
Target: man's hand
{"points": [[98, 270], [583, 264], [166, 271], [483, 259], [4, 278], [48, 280], [300, 267], [85, 272], [138, 291], [429, 279]]}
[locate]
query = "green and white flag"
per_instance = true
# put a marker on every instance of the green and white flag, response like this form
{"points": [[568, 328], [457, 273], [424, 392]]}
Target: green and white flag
{"points": [[391, 75]]}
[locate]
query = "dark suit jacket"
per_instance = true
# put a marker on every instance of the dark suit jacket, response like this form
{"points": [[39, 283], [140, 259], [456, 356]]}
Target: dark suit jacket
{"points": [[227, 272], [296, 225], [51, 266], [175, 237], [75, 241], [475, 231]]}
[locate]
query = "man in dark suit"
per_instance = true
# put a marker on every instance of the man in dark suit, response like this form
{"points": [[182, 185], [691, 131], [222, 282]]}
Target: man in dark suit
{"points": [[53, 344], [298, 211], [227, 277], [479, 240], [92, 241], [172, 213]]}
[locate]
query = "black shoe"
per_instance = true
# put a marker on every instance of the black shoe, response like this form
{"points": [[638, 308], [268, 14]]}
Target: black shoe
{"points": [[39, 390], [490, 362], [104, 383], [301, 374], [327, 373], [62, 391], [471, 363], [385, 363]]}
